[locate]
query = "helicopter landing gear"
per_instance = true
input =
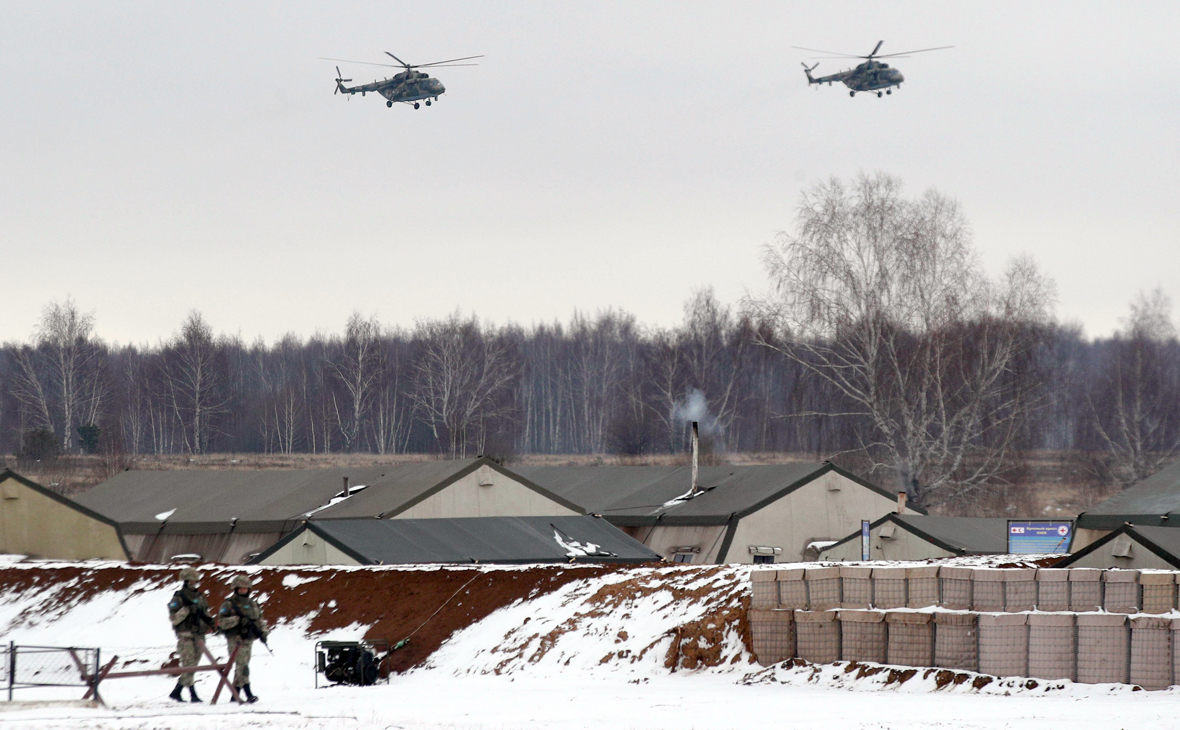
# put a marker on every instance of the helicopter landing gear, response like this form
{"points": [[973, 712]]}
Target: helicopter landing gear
{"points": [[389, 104], [852, 93], [888, 91], [879, 95], [416, 105], [428, 102]]}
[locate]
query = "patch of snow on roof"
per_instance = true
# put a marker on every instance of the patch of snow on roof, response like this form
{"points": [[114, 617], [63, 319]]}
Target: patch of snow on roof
{"points": [[340, 497], [165, 515], [575, 549]]}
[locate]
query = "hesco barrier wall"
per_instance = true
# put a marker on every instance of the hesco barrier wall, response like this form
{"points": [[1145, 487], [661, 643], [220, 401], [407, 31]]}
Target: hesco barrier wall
{"points": [[1088, 626], [985, 590]]}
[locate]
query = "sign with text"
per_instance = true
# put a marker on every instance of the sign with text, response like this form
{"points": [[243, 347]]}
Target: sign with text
{"points": [[1039, 536], [864, 539]]}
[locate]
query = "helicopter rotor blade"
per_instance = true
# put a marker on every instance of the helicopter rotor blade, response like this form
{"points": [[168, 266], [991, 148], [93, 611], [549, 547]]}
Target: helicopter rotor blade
{"points": [[403, 63], [922, 50], [452, 60], [877, 48], [366, 63], [834, 53]]}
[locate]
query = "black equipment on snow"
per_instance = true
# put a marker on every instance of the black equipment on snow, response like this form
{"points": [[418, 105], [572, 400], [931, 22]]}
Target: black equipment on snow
{"points": [[348, 662]]}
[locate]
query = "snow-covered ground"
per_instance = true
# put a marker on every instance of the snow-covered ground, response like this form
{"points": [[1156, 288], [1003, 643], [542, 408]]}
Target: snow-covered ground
{"points": [[652, 648]]}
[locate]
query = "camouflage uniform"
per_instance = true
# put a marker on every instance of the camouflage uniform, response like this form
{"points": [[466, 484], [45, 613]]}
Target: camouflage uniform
{"points": [[235, 618], [189, 613]]}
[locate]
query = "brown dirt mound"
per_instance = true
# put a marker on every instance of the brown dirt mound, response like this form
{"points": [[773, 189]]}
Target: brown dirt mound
{"points": [[393, 603]]}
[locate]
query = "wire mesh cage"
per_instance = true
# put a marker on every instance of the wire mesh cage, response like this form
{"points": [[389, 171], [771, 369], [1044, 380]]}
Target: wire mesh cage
{"points": [[773, 634], [910, 639], [1052, 653], [1020, 589], [1053, 589], [792, 589], [823, 588], [1085, 589], [1158, 592], [1152, 664], [921, 587], [1003, 644], [1103, 646], [1121, 591], [817, 635], [956, 641], [889, 587], [764, 589], [956, 587], [988, 591], [856, 587], [863, 636]]}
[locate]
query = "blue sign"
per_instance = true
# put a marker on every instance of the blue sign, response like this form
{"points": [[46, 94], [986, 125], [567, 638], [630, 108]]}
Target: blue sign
{"points": [[1039, 536], [864, 539]]}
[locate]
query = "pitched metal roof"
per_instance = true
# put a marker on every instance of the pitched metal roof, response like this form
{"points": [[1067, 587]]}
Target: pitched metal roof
{"points": [[580, 538], [1144, 503], [209, 501], [1164, 542], [644, 495], [959, 535]]}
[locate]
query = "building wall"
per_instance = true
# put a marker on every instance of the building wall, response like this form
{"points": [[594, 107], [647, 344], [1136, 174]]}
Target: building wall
{"points": [[231, 548], [1086, 537], [903, 545], [827, 508], [34, 524], [308, 548], [1141, 558], [497, 496], [665, 539]]}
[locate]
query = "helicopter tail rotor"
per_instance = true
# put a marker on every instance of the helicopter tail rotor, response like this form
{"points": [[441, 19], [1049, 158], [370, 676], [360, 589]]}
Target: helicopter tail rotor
{"points": [[340, 83], [807, 70]]}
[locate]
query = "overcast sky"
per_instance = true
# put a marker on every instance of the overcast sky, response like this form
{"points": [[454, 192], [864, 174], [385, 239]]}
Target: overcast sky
{"points": [[163, 157]]}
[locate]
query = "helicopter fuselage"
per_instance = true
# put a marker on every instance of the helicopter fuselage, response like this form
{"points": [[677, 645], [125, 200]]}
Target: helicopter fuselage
{"points": [[405, 87], [868, 76]]}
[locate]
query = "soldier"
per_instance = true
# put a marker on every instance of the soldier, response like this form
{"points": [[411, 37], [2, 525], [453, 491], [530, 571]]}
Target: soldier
{"points": [[191, 621], [241, 621]]}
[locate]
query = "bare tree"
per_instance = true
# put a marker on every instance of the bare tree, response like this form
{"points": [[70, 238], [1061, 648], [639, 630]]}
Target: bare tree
{"points": [[882, 298], [461, 378], [357, 368], [194, 373], [1135, 409], [62, 372]]}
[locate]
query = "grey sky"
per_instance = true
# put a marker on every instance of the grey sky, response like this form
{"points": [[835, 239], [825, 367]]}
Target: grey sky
{"points": [[161, 157]]}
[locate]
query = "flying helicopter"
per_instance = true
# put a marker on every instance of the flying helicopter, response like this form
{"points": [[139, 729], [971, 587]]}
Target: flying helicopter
{"points": [[871, 75], [408, 87]]}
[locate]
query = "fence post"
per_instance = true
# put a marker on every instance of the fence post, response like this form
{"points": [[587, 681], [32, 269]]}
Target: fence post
{"points": [[11, 668], [94, 676]]}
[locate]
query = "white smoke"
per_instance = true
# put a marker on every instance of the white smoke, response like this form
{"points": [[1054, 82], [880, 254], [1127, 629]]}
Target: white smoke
{"points": [[695, 407]]}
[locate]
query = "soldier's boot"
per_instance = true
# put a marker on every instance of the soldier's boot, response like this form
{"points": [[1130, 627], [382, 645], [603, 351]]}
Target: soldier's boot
{"points": [[176, 693], [249, 695], [192, 695]]}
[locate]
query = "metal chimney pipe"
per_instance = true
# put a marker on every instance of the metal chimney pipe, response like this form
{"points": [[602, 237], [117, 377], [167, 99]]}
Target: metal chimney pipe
{"points": [[901, 497], [345, 486], [695, 449]]}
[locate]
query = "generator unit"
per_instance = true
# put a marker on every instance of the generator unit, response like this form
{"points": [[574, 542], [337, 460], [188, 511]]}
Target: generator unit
{"points": [[348, 662]]}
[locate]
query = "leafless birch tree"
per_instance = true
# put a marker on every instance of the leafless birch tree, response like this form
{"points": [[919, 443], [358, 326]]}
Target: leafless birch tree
{"points": [[882, 298], [1137, 413]]}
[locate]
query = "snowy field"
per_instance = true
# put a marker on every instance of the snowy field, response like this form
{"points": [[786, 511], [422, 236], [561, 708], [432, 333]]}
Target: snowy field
{"points": [[652, 648]]}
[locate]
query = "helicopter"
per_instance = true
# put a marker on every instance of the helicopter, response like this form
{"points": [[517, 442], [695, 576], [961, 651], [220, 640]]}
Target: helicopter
{"points": [[872, 75], [408, 87]]}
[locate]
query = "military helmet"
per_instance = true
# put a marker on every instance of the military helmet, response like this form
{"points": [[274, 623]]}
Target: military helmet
{"points": [[190, 574], [241, 581]]}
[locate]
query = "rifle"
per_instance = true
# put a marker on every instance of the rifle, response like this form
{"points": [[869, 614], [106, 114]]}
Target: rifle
{"points": [[202, 615], [252, 629]]}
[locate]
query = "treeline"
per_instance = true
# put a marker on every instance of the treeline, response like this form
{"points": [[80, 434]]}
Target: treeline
{"points": [[597, 384]]}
